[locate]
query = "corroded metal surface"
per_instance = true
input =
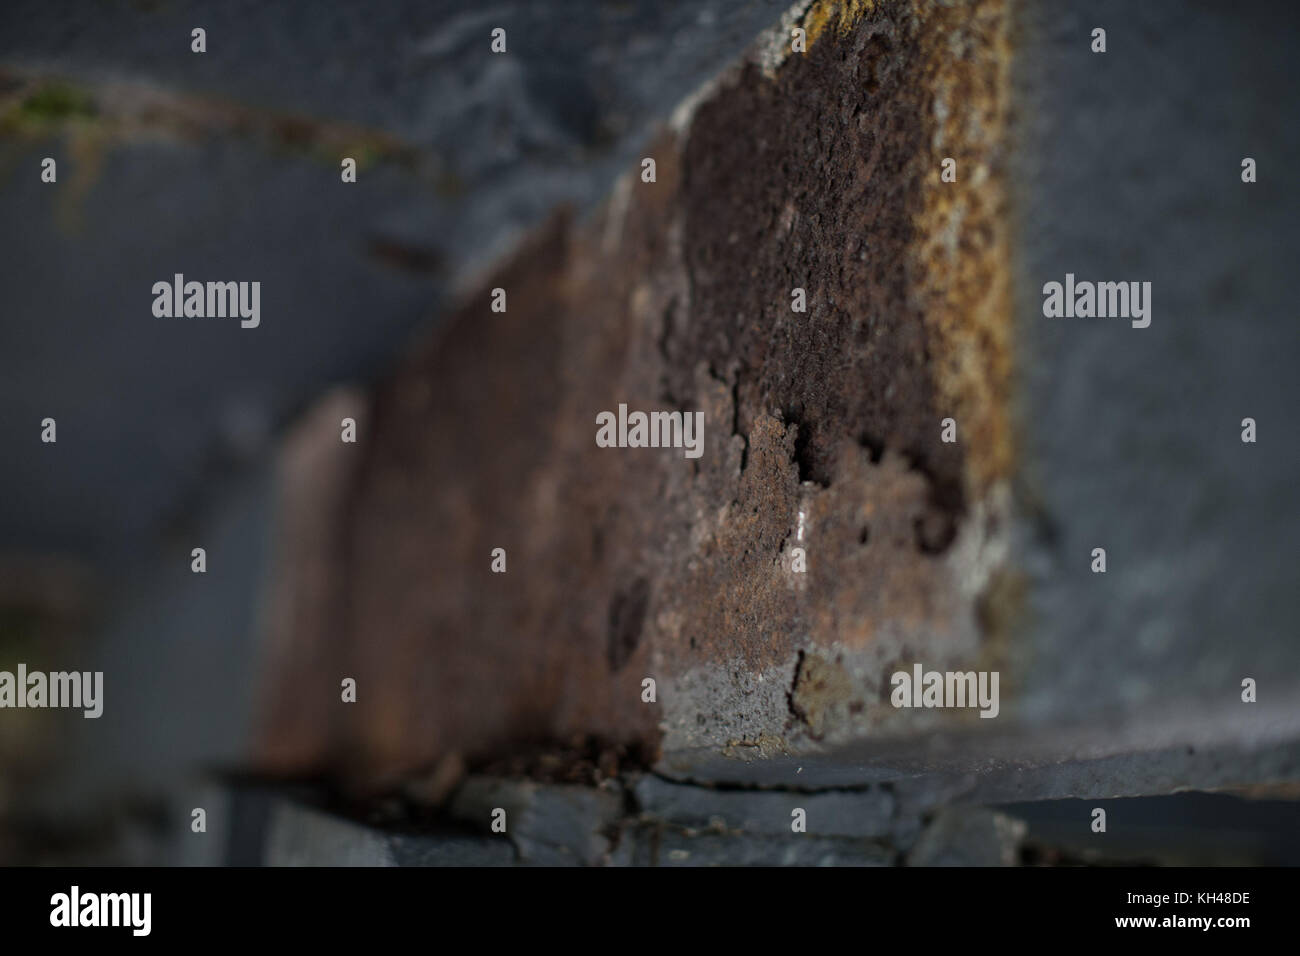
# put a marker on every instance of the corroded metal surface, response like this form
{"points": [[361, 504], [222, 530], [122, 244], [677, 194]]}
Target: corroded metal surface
{"points": [[822, 432]]}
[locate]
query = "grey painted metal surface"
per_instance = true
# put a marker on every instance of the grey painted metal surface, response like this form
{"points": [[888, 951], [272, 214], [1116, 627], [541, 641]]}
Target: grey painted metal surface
{"points": [[1128, 166]]}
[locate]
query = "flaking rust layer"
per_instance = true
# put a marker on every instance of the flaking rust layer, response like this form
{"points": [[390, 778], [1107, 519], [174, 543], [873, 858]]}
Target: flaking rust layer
{"points": [[822, 432]]}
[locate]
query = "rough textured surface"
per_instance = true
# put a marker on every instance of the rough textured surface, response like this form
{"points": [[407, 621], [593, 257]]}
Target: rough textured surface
{"points": [[822, 431]]}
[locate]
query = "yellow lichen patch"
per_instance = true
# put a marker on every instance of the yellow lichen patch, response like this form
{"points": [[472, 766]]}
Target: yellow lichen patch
{"points": [[841, 14], [42, 108], [48, 108], [120, 112], [94, 120], [963, 252]]}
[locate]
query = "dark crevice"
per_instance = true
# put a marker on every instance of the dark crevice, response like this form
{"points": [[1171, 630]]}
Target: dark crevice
{"points": [[735, 423], [626, 618], [936, 529], [722, 786], [875, 447], [812, 466], [795, 711]]}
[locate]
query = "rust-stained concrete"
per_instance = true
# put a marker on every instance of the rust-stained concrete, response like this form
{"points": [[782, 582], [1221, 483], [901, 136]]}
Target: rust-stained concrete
{"points": [[822, 432]]}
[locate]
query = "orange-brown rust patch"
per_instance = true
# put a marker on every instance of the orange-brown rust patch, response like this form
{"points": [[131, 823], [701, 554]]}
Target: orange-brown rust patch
{"points": [[839, 15], [962, 243]]}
